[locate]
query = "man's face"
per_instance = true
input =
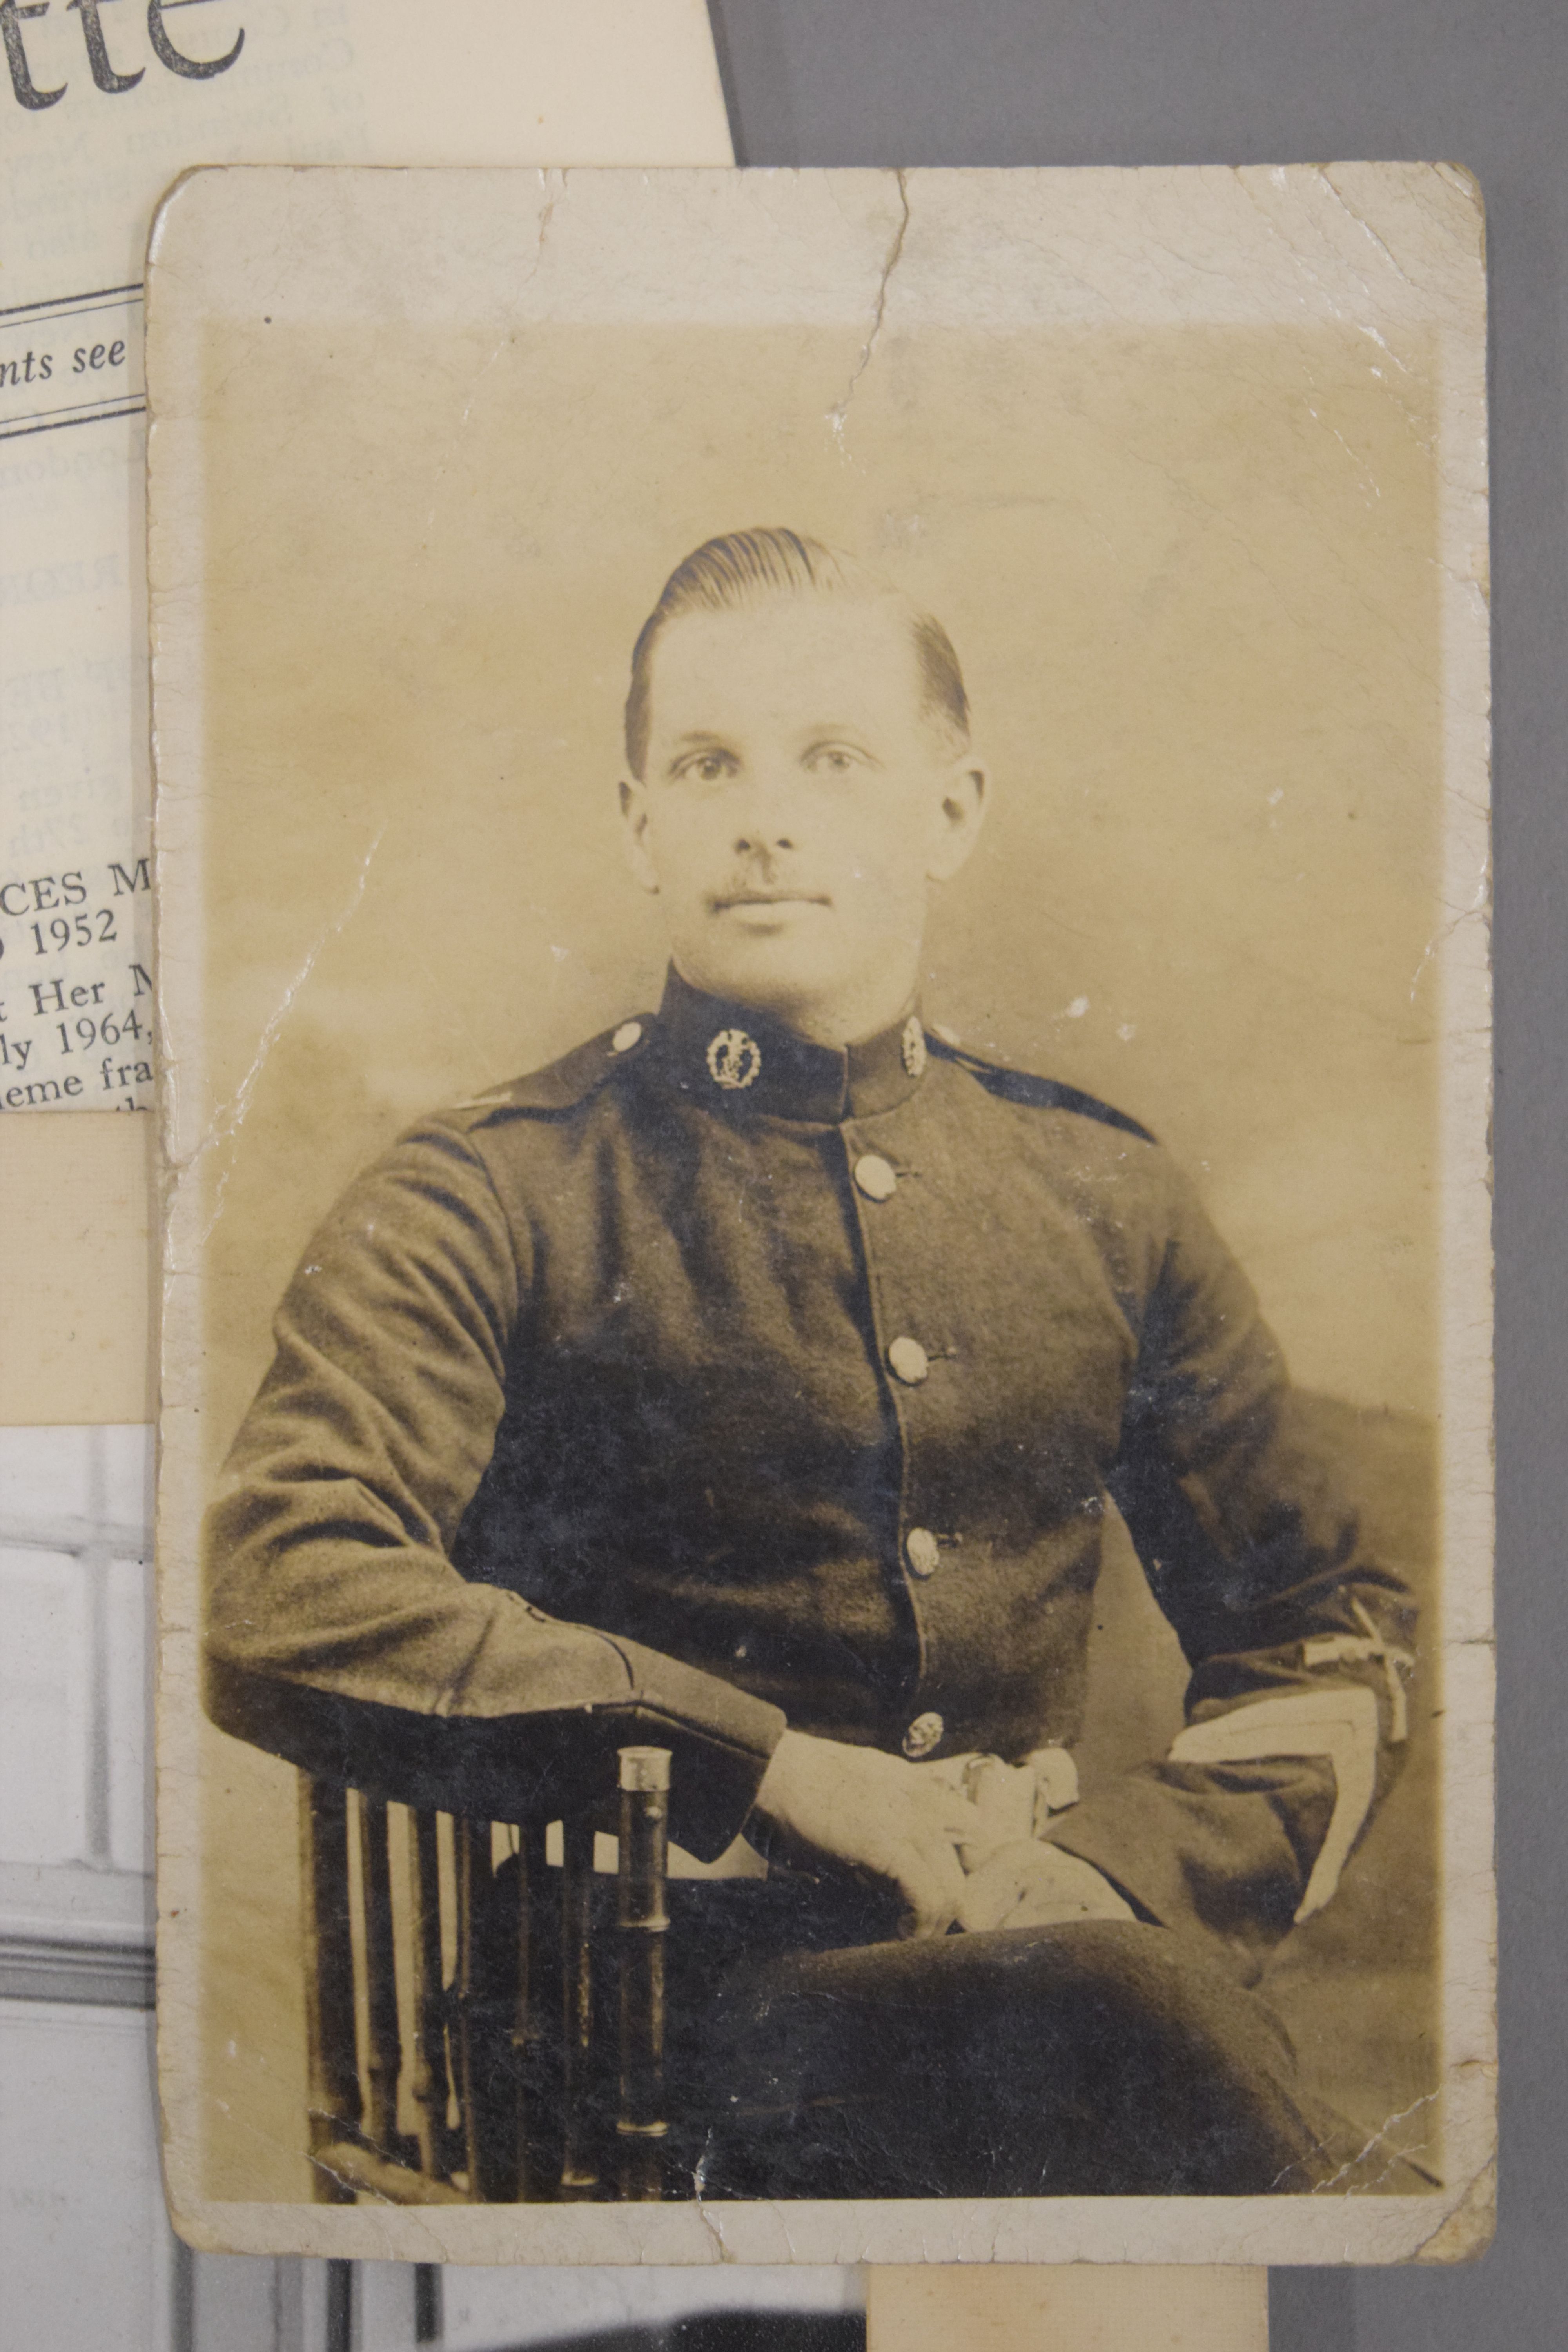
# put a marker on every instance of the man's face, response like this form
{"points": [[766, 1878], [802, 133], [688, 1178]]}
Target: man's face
{"points": [[796, 805]]}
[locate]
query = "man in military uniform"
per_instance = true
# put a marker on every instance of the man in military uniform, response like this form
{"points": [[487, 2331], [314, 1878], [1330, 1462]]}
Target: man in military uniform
{"points": [[769, 1360]]}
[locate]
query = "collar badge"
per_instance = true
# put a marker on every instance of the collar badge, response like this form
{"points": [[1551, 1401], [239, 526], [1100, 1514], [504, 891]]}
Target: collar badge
{"points": [[734, 1060], [912, 1045]]}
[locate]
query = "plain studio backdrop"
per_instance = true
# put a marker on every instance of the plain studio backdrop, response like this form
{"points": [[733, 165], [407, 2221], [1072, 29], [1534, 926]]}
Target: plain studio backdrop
{"points": [[1192, 575]]}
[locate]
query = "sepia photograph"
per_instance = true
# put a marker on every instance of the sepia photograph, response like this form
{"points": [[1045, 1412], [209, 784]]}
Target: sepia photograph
{"points": [[824, 1518]]}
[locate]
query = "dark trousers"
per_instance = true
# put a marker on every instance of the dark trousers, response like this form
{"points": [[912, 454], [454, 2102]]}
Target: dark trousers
{"points": [[811, 2053], [815, 2055]]}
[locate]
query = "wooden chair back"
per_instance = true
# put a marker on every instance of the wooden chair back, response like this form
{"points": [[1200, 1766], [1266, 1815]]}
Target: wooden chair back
{"points": [[455, 1998]]}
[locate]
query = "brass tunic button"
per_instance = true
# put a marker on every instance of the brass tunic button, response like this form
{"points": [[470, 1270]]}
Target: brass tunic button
{"points": [[908, 1361], [629, 1034], [926, 1732], [876, 1177], [922, 1551]]}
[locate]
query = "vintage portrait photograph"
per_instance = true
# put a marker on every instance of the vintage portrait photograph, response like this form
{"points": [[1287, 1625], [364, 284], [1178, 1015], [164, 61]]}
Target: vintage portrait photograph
{"points": [[825, 1513]]}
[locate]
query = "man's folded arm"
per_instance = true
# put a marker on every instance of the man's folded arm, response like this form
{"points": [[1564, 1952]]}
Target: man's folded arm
{"points": [[1297, 1640], [329, 1544]]}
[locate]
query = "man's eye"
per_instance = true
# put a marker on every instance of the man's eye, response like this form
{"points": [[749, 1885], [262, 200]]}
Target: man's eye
{"points": [[709, 767], [831, 758]]}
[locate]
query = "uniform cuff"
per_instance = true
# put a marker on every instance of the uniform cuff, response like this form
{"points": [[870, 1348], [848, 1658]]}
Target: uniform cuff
{"points": [[721, 1740], [1190, 1855]]}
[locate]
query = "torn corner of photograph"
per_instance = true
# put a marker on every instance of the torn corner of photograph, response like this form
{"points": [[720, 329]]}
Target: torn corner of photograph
{"points": [[824, 1520]]}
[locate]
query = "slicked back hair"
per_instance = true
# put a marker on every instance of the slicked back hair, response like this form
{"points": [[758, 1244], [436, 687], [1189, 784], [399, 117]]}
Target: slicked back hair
{"points": [[742, 570]]}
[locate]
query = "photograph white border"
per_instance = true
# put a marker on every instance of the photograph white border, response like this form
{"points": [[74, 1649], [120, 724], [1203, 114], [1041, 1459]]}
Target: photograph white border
{"points": [[1390, 250]]}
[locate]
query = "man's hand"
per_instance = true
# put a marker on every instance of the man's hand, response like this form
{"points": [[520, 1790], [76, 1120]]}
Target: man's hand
{"points": [[902, 1821], [1028, 1884]]}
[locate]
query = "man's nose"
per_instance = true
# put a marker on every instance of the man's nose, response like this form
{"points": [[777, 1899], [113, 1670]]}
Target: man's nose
{"points": [[762, 840], [768, 818]]}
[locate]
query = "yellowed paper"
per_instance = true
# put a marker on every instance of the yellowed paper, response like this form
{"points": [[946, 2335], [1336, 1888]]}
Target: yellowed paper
{"points": [[1070, 2308], [100, 110], [80, 1271], [1191, 465]]}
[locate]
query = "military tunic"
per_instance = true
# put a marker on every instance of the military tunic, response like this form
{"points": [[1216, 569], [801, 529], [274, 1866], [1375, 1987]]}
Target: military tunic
{"points": [[768, 1384]]}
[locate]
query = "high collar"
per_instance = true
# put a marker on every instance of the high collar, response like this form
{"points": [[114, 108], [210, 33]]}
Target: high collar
{"points": [[734, 1058]]}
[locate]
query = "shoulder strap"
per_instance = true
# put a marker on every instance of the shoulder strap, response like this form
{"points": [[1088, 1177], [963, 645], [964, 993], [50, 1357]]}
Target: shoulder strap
{"points": [[1037, 1093], [562, 1086]]}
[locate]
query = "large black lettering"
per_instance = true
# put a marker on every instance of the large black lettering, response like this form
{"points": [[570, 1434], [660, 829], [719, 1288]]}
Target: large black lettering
{"points": [[22, 82], [163, 49], [103, 73]]}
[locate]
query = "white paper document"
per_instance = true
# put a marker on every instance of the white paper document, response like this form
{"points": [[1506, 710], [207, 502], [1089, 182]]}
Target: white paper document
{"points": [[104, 102]]}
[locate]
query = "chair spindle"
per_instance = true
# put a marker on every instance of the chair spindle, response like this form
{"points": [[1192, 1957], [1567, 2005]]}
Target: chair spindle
{"points": [[431, 2083], [472, 1858], [331, 2058], [579, 2169], [384, 2067], [526, 2185], [643, 1918]]}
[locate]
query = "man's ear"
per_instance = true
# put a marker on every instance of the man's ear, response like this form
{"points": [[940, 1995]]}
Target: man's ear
{"points": [[633, 815], [961, 812]]}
